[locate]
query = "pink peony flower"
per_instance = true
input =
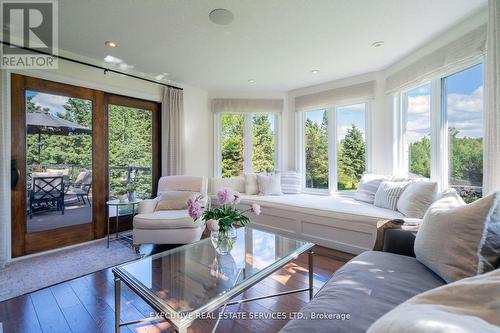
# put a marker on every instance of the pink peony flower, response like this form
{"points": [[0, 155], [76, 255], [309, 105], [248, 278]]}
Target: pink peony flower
{"points": [[225, 196], [195, 209], [256, 209], [213, 225]]}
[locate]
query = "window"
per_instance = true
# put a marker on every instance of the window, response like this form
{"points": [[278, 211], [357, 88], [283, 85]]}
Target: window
{"points": [[463, 100], [232, 138], [316, 149], [351, 146], [247, 143], [320, 128], [418, 130], [444, 137]]}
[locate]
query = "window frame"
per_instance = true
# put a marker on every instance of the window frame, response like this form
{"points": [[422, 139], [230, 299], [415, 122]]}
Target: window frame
{"points": [[247, 141], [332, 111], [439, 123]]}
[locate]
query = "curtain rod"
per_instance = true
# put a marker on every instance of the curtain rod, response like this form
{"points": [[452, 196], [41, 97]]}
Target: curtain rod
{"points": [[90, 65]]}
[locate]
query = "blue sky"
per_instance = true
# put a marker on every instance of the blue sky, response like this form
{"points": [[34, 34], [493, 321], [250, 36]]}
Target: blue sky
{"points": [[464, 105], [54, 102]]}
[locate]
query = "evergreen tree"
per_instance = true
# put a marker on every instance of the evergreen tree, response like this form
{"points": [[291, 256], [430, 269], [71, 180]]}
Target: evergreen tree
{"points": [[262, 144]]}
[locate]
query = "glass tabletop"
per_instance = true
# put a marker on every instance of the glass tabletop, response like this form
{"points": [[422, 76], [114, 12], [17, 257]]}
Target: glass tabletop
{"points": [[195, 279], [116, 202]]}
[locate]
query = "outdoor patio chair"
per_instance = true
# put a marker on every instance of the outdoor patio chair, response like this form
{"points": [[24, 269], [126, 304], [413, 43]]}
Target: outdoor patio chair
{"points": [[47, 192], [81, 187]]}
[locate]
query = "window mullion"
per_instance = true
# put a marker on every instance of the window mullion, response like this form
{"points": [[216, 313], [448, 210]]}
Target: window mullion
{"points": [[439, 163], [247, 144], [332, 149]]}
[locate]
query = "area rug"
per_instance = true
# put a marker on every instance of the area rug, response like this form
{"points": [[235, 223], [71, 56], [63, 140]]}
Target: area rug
{"points": [[30, 274]]}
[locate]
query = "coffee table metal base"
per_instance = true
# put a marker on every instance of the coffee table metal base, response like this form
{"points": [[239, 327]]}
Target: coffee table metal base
{"points": [[118, 281]]}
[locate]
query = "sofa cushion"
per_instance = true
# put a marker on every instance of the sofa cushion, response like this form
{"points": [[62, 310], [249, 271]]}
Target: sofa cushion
{"points": [[251, 186], [466, 306], [233, 183], [450, 235], [269, 184], [367, 287], [165, 219]]}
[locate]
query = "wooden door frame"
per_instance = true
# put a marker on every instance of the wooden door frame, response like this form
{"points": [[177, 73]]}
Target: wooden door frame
{"points": [[125, 222], [27, 243]]}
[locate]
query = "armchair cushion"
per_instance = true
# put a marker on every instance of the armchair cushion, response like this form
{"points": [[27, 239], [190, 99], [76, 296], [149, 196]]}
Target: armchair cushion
{"points": [[147, 206], [174, 200], [171, 219], [182, 183]]}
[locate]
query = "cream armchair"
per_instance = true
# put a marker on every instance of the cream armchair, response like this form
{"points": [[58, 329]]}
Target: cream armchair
{"points": [[153, 226]]}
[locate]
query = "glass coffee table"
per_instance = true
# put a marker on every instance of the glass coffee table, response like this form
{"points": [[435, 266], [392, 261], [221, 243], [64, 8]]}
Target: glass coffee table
{"points": [[187, 283]]}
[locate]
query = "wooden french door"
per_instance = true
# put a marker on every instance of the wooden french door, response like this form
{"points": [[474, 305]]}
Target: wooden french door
{"points": [[71, 153]]}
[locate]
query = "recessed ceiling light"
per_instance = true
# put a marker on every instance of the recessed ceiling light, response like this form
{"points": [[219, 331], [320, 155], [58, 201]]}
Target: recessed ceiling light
{"points": [[221, 16], [110, 43], [251, 81], [315, 71], [378, 43]]}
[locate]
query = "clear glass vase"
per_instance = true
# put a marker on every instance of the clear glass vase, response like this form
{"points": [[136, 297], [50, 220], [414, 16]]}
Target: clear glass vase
{"points": [[223, 242]]}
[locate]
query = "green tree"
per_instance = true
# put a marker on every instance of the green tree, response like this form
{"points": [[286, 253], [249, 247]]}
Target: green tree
{"points": [[351, 159], [420, 157], [262, 144], [232, 127], [316, 149]]}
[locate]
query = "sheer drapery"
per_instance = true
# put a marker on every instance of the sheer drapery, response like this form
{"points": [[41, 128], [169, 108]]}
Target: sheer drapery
{"points": [[172, 125], [492, 101], [240, 105]]}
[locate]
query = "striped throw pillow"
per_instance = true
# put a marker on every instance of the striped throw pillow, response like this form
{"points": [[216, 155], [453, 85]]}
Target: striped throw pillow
{"points": [[388, 194], [291, 182], [368, 186]]}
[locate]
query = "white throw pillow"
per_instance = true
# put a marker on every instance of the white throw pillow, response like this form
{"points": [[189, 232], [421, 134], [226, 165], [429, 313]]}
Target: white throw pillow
{"points": [[417, 198], [291, 182], [368, 186], [233, 183], [269, 184], [251, 185], [388, 194], [467, 306], [450, 237]]}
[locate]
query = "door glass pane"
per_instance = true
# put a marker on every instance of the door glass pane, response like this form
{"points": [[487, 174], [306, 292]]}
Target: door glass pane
{"points": [[232, 138], [351, 148], [418, 130], [316, 149], [130, 142], [463, 94], [59, 161], [263, 142]]}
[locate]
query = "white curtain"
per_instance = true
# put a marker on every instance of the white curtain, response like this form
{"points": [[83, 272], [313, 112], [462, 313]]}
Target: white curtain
{"points": [[241, 105], [4, 177], [492, 101], [172, 131], [332, 96], [463, 49]]}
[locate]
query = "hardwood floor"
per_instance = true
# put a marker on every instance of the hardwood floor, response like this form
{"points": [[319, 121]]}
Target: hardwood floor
{"points": [[86, 304]]}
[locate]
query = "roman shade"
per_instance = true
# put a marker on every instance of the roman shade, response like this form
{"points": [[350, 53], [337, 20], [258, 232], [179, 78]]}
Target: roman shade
{"points": [[333, 96], [461, 50], [240, 105]]}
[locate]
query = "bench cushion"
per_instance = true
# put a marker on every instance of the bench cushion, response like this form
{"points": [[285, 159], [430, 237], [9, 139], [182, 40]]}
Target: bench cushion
{"points": [[366, 288]]}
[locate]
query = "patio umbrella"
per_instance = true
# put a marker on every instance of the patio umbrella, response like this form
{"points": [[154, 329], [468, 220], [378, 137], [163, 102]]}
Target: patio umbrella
{"points": [[42, 122]]}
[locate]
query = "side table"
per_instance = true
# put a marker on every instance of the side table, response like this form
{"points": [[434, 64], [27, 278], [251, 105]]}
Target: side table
{"points": [[117, 203]]}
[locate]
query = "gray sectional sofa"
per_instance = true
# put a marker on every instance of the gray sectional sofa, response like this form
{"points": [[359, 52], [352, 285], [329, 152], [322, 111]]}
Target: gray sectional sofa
{"points": [[365, 288]]}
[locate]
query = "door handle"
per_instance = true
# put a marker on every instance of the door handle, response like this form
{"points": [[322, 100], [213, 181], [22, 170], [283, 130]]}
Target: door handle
{"points": [[14, 174]]}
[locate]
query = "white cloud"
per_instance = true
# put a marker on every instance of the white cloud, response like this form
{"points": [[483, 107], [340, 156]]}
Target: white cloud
{"points": [[54, 102]]}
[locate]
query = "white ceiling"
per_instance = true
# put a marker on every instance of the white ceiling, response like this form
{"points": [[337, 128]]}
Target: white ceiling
{"points": [[275, 42]]}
